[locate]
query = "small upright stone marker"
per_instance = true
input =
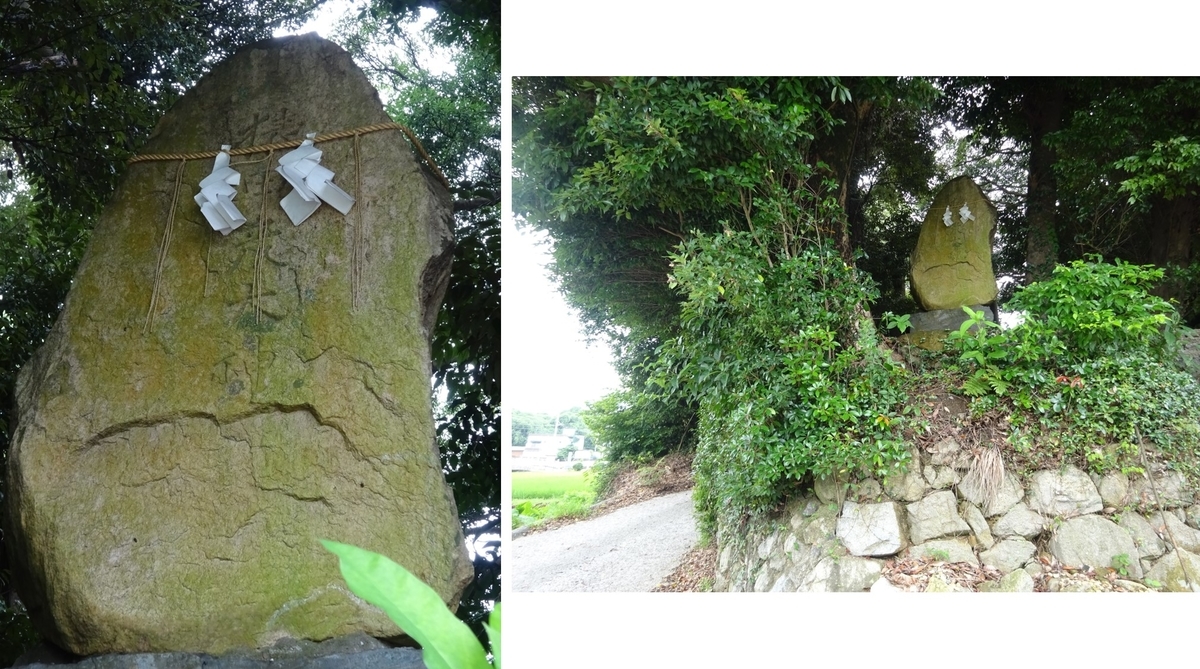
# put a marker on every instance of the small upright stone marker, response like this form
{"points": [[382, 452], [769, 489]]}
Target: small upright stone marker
{"points": [[952, 264]]}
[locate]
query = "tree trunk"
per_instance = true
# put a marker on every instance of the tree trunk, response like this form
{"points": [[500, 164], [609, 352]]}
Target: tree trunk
{"points": [[844, 146], [1170, 227], [1043, 106], [1172, 223]]}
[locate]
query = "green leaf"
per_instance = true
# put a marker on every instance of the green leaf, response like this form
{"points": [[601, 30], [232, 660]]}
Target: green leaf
{"points": [[976, 386], [493, 631], [446, 641]]}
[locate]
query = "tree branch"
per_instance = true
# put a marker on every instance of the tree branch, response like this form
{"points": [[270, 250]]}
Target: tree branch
{"points": [[474, 203]]}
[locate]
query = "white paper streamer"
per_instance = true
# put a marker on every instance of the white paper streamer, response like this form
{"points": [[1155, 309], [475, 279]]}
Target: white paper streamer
{"points": [[216, 195], [312, 183]]}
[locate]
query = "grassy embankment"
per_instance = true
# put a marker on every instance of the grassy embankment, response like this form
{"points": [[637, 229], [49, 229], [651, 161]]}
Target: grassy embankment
{"points": [[541, 496]]}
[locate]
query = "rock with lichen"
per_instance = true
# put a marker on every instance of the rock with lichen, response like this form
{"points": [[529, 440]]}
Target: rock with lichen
{"points": [[207, 408], [952, 263]]}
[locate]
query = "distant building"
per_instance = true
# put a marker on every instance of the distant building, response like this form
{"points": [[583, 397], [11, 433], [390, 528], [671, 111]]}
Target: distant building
{"points": [[586, 458], [541, 451]]}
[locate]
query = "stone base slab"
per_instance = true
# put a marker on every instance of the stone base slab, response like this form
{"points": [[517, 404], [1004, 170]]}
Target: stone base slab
{"points": [[946, 319], [357, 651]]}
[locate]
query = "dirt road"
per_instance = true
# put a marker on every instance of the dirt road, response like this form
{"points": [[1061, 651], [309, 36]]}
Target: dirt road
{"points": [[629, 550]]}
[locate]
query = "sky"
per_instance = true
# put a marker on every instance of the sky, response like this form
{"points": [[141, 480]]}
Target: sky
{"points": [[323, 20], [548, 365], [434, 59]]}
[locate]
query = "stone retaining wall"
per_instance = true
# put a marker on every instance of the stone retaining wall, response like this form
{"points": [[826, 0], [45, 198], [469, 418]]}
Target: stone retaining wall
{"points": [[839, 537]]}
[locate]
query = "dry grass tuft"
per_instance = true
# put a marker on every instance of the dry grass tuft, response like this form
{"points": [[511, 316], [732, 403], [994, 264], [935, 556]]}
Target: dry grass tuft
{"points": [[986, 471]]}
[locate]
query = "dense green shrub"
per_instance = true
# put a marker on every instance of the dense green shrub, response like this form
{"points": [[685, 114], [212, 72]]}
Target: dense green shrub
{"points": [[1090, 369], [1097, 309], [631, 423], [784, 363]]}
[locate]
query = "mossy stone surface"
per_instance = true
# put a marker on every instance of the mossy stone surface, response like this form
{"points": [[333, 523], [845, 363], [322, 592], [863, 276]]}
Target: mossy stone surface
{"points": [[170, 481], [952, 264]]}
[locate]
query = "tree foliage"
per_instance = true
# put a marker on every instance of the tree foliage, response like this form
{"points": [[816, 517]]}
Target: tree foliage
{"points": [[620, 171], [474, 24], [457, 116], [714, 187]]}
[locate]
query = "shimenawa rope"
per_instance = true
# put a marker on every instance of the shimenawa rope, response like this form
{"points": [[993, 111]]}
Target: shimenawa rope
{"points": [[358, 252], [291, 144], [162, 249]]}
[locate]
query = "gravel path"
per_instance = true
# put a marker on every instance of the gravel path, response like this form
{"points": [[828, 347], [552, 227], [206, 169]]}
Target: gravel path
{"points": [[629, 550]]}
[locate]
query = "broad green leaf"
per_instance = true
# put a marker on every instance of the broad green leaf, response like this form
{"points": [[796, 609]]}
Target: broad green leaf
{"points": [[446, 642], [493, 631]]}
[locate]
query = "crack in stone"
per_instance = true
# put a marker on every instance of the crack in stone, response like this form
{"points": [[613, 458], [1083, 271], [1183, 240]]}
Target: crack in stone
{"points": [[164, 477], [174, 417], [311, 596], [298, 497], [949, 264]]}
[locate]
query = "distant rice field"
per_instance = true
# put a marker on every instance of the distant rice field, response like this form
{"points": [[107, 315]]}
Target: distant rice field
{"points": [[547, 485]]}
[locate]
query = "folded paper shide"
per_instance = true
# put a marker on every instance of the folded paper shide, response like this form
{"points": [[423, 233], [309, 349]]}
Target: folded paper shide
{"points": [[312, 183], [216, 195]]}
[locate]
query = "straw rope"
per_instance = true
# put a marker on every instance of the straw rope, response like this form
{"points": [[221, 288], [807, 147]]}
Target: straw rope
{"points": [[358, 253], [291, 144], [260, 255], [163, 249], [356, 257]]}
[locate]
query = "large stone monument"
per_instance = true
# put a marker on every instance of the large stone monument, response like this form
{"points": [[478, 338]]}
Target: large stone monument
{"points": [[208, 407], [952, 264]]}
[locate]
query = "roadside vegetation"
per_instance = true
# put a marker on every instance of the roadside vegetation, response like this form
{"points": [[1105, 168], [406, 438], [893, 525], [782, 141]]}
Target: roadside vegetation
{"points": [[547, 500], [1092, 377], [539, 497]]}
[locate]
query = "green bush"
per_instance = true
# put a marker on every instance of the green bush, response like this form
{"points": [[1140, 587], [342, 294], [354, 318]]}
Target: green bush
{"points": [[636, 423], [1090, 369], [1097, 309], [784, 363], [576, 504]]}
